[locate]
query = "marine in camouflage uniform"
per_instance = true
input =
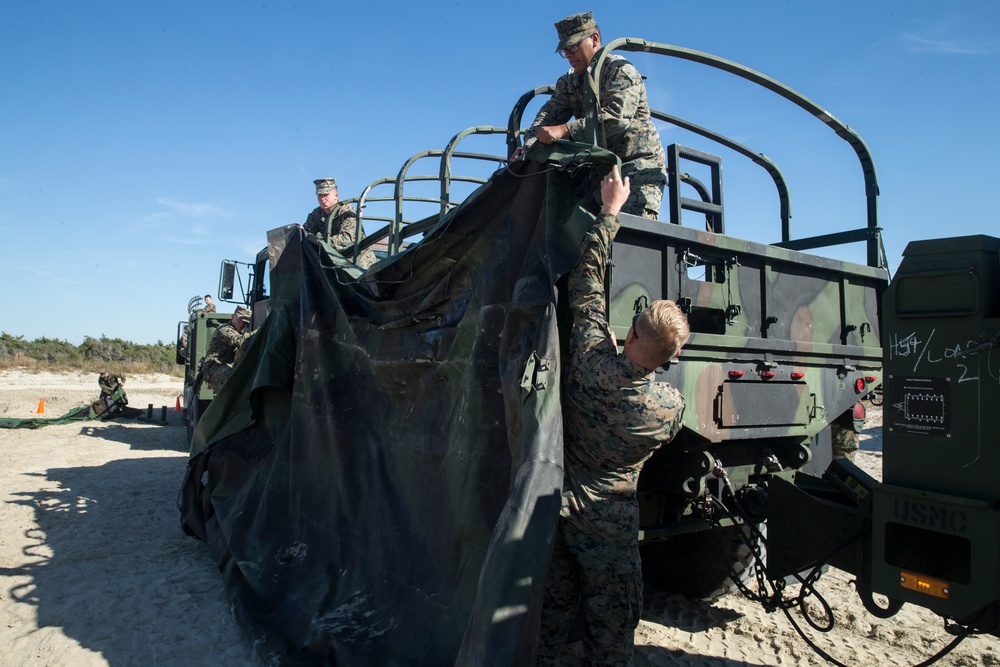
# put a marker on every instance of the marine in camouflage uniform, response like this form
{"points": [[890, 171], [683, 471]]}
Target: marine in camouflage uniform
{"points": [[615, 415], [108, 383], [107, 401], [340, 219], [626, 125], [209, 307], [217, 366]]}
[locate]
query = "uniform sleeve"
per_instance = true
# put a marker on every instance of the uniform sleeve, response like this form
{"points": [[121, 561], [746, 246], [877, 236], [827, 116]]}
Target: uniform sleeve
{"points": [[556, 111], [222, 345], [586, 287], [314, 223], [243, 346]]}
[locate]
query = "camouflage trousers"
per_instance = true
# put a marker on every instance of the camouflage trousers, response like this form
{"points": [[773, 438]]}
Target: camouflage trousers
{"points": [[644, 200], [845, 441], [600, 581], [216, 375]]}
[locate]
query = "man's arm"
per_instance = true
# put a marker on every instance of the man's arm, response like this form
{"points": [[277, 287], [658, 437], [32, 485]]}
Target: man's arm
{"points": [[553, 119], [586, 282], [315, 224]]}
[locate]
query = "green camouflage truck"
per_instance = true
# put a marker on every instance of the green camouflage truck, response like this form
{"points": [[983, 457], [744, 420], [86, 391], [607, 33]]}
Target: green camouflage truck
{"points": [[785, 346], [785, 343], [193, 335]]}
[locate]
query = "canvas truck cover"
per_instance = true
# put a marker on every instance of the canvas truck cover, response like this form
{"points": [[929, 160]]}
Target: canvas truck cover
{"points": [[379, 480]]}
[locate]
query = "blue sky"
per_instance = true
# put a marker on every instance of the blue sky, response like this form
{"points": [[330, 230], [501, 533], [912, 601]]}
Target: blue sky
{"points": [[143, 143]]}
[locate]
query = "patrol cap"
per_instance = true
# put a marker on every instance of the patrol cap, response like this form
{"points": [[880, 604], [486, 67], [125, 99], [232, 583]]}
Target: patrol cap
{"points": [[243, 313], [325, 185], [573, 29]]}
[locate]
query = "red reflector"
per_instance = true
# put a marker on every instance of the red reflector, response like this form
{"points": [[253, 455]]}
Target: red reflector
{"points": [[797, 376], [767, 375], [870, 378], [859, 385], [859, 411], [735, 375]]}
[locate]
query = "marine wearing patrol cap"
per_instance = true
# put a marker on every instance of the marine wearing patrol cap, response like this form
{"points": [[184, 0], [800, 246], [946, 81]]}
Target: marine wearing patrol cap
{"points": [[573, 29], [325, 185], [244, 313]]}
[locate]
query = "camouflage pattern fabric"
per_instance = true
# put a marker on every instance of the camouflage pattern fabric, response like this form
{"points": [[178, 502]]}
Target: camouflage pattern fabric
{"points": [[844, 439], [220, 357], [342, 223], [627, 129], [109, 384], [243, 347], [615, 415]]}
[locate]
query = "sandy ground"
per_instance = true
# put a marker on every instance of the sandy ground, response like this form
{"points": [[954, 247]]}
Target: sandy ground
{"points": [[94, 568]]}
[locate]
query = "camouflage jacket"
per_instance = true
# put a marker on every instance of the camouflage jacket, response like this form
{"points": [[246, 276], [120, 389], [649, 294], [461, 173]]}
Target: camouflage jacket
{"points": [[342, 223], [615, 413], [223, 347], [627, 128], [108, 384]]}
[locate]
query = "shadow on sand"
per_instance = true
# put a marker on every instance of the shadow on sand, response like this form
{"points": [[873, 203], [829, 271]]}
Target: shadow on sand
{"points": [[110, 567]]}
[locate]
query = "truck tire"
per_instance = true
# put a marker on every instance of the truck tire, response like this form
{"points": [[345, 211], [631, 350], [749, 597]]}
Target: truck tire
{"points": [[698, 565]]}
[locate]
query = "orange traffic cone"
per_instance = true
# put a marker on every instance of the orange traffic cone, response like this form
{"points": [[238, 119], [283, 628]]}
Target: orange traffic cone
{"points": [[41, 407], [177, 408]]}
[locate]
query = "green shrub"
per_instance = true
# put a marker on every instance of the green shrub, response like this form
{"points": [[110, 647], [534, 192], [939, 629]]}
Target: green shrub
{"points": [[94, 354]]}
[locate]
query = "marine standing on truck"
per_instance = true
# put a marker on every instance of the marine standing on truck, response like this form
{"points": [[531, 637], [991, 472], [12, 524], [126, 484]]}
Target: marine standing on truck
{"points": [[340, 219], [220, 358], [626, 129], [615, 414], [209, 307]]}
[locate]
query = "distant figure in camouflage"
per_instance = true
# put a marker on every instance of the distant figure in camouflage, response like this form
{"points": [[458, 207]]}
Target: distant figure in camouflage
{"points": [[220, 358], [108, 401], [108, 383], [340, 219], [615, 414], [626, 129], [209, 307]]}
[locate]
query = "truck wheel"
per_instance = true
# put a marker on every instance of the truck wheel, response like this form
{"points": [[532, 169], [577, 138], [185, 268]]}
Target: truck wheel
{"points": [[698, 565]]}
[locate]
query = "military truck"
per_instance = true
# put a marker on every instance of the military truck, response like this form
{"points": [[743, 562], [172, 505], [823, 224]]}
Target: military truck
{"points": [[785, 344], [927, 534], [193, 336]]}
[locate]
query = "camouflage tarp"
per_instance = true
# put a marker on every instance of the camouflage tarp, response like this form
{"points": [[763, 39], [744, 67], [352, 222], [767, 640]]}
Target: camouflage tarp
{"points": [[99, 409], [379, 480]]}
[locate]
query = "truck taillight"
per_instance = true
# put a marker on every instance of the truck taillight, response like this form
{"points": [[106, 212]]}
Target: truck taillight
{"points": [[921, 583]]}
